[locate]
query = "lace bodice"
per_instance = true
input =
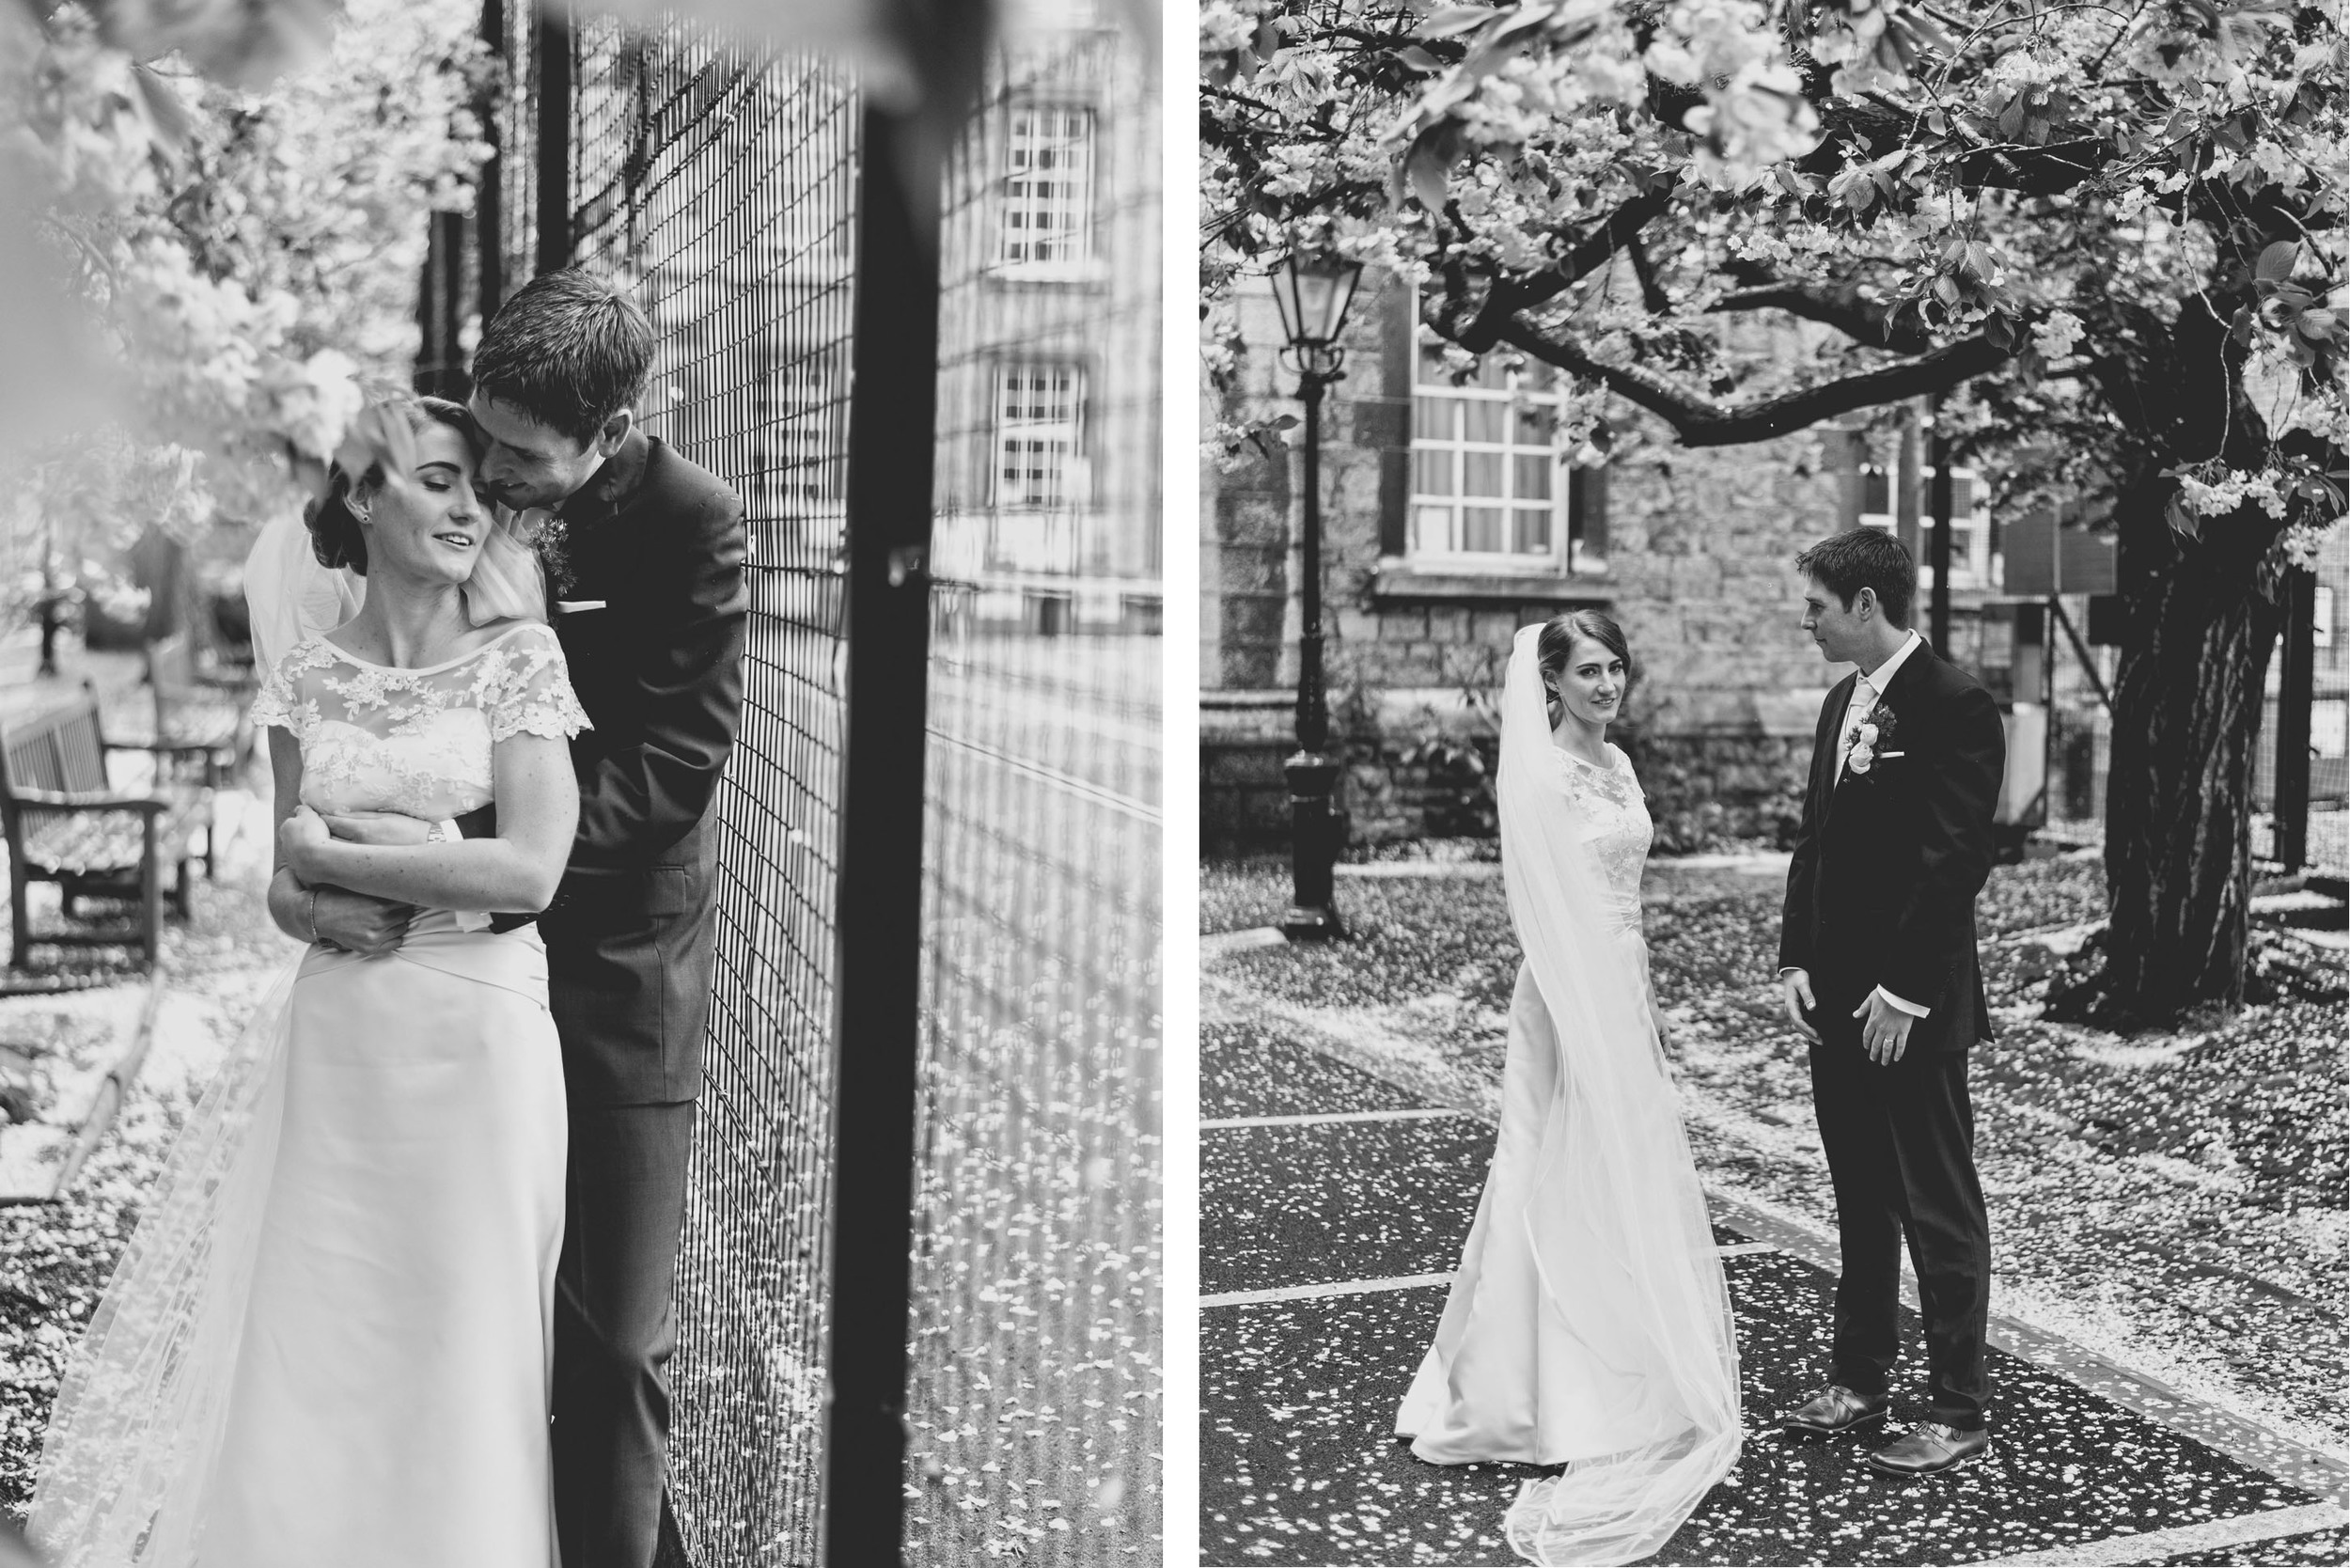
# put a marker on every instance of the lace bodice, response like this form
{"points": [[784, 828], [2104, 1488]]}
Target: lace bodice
{"points": [[416, 741], [1618, 829]]}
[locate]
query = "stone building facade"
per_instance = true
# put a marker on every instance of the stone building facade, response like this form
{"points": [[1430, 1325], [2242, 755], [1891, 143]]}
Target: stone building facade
{"points": [[1450, 520]]}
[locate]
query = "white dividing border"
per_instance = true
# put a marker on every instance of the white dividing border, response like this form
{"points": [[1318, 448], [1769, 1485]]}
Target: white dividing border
{"points": [[2124, 1551]]}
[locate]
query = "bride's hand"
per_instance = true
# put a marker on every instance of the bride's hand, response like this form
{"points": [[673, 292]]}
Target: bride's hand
{"points": [[380, 828], [300, 837]]}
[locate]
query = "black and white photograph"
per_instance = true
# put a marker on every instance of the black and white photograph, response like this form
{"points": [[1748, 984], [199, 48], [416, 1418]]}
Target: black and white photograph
{"points": [[1771, 767], [581, 695], [1746, 960]]}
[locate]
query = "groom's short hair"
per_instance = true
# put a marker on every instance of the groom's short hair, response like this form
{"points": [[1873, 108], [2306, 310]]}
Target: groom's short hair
{"points": [[570, 349], [1865, 558]]}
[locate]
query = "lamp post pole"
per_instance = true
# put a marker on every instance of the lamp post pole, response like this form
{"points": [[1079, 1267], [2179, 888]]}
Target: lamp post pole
{"points": [[1313, 294], [1313, 774]]}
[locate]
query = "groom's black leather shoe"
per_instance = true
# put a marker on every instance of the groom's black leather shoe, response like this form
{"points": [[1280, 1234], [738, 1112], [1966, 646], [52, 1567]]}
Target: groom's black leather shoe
{"points": [[1834, 1411], [1928, 1447]]}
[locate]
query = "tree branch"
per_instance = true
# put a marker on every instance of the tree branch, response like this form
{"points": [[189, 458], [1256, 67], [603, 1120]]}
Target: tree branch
{"points": [[1701, 421], [1841, 306], [1652, 293], [1509, 296]]}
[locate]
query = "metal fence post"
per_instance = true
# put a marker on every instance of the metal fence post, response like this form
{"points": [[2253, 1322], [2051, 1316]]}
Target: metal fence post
{"points": [[551, 51], [892, 420]]}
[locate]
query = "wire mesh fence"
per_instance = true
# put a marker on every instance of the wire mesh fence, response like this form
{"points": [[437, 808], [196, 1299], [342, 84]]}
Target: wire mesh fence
{"points": [[1034, 1399], [724, 183]]}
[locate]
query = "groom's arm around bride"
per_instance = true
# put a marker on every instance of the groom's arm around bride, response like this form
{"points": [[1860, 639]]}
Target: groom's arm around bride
{"points": [[646, 569]]}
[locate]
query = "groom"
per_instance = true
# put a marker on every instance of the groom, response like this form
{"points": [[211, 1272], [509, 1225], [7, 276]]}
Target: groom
{"points": [[1878, 967], [645, 566]]}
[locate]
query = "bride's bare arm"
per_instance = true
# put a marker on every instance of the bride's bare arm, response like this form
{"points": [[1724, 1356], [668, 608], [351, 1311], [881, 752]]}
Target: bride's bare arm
{"points": [[537, 810], [307, 909]]}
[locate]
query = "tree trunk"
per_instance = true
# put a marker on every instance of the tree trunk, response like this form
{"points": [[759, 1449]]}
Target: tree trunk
{"points": [[2204, 617]]}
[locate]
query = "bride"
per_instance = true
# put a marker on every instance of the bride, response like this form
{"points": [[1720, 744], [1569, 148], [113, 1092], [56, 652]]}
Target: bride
{"points": [[1588, 1325], [328, 1340]]}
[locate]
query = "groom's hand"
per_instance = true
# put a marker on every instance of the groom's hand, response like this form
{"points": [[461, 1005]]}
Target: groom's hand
{"points": [[360, 922], [1884, 1029], [1796, 985]]}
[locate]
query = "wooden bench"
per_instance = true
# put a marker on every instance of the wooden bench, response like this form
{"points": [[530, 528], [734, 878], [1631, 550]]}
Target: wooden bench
{"points": [[203, 715], [67, 824]]}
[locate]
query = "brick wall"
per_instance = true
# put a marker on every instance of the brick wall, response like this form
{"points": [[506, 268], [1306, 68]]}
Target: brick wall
{"points": [[1700, 548]]}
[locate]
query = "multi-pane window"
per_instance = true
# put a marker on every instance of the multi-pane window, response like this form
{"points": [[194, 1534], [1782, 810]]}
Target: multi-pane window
{"points": [[1970, 515], [1048, 185], [1486, 479], [1039, 410]]}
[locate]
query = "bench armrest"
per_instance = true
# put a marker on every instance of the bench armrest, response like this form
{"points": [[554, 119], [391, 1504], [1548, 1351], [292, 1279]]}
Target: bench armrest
{"points": [[63, 800]]}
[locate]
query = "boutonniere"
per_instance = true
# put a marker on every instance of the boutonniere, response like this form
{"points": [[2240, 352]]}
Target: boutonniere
{"points": [[550, 539], [1871, 738]]}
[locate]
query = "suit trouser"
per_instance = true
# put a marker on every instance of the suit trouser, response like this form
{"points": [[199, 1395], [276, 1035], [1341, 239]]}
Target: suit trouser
{"points": [[615, 1329], [1900, 1145]]}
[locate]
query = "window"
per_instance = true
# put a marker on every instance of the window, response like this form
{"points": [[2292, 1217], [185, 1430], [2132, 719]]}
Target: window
{"points": [[1048, 186], [801, 435], [1971, 517], [1038, 412], [1876, 496], [1488, 487]]}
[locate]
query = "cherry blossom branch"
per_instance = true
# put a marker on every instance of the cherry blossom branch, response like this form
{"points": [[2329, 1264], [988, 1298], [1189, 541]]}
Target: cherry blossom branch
{"points": [[1703, 421], [1840, 306], [1595, 250]]}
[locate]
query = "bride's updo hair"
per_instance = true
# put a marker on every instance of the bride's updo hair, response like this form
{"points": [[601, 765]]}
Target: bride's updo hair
{"points": [[336, 536], [1557, 646]]}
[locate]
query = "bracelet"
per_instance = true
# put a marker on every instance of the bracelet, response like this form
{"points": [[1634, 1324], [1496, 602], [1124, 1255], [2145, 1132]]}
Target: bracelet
{"points": [[314, 915]]}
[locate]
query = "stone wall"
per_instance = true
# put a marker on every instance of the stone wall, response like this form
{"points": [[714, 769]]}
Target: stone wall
{"points": [[1699, 571]]}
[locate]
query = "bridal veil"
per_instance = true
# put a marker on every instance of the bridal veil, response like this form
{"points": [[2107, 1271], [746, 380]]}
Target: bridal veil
{"points": [[1603, 1216], [138, 1419]]}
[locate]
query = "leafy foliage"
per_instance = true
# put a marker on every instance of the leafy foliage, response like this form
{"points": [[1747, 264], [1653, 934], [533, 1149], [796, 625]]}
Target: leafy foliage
{"points": [[2028, 212], [215, 268]]}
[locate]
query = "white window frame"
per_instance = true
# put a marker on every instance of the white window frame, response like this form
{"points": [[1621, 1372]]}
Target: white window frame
{"points": [[1435, 521], [1030, 190], [1971, 566], [1892, 477], [1052, 430]]}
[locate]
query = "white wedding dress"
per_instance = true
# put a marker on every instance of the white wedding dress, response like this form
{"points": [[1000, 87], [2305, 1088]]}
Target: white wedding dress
{"points": [[1589, 1325], [328, 1342]]}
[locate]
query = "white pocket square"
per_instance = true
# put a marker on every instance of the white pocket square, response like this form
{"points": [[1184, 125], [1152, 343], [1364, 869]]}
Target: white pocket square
{"points": [[572, 606]]}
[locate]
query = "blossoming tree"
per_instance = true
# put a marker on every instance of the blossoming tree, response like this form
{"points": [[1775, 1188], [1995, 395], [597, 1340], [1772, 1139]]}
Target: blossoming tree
{"points": [[2110, 236], [215, 222]]}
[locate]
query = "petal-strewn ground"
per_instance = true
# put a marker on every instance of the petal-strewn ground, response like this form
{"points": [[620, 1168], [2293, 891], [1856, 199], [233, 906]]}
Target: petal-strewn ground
{"points": [[2173, 1204]]}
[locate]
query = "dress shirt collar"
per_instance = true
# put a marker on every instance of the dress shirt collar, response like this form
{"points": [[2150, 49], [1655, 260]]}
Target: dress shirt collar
{"points": [[1882, 676]]}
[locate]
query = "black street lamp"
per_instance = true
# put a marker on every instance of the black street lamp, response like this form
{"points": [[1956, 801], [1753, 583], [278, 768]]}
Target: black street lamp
{"points": [[1313, 294]]}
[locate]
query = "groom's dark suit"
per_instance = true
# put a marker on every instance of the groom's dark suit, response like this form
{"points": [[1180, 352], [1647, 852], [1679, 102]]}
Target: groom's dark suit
{"points": [[1881, 892], [658, 667]]}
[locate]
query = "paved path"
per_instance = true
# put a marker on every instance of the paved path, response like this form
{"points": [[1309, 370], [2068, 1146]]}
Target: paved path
{"points": [[1333, 1205]]}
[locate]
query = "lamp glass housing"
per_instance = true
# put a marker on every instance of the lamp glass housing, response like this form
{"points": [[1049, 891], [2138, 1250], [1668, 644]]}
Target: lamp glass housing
{"points": [[1314, 294]]}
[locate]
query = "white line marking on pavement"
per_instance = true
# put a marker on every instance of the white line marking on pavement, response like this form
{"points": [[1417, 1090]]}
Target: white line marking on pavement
{"points": [[1403, 1282], [1216, 944], [1314, 1293], [2120, 1551], [1084, 789], [1320, 1117]]}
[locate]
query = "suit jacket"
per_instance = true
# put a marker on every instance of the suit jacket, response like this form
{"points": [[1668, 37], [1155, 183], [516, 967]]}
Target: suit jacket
{"points": [[1881, 888], [658, 667]]}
